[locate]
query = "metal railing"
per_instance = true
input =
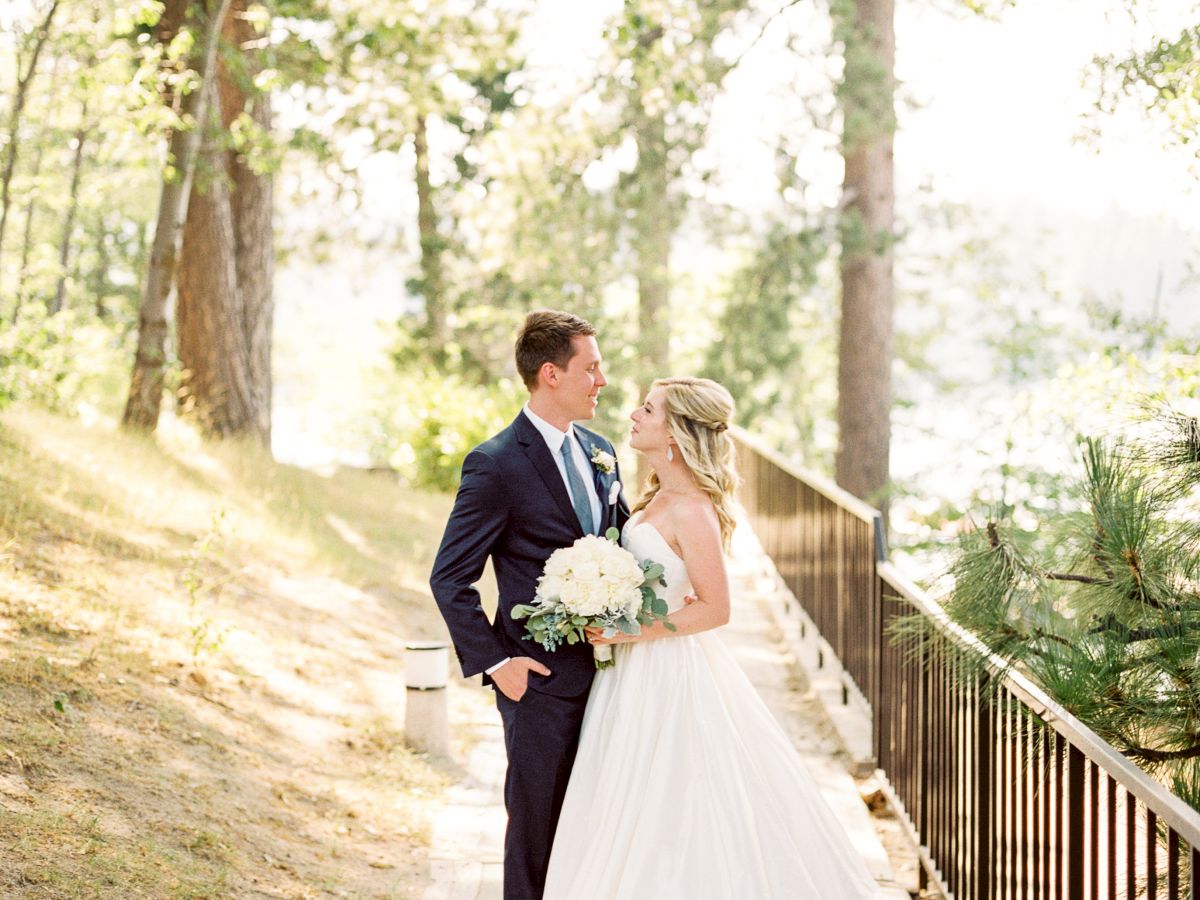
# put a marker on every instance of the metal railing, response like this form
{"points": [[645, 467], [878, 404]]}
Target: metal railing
{"points": [[1006, 794]]}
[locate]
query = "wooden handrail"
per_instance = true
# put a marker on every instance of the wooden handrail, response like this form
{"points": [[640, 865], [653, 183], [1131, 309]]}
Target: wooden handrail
{"points": [[1005, 792], [1168, 807], [818, 483]]}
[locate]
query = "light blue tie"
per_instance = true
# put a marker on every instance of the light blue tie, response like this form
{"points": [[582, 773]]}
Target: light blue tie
{"points": [[579, 497]]}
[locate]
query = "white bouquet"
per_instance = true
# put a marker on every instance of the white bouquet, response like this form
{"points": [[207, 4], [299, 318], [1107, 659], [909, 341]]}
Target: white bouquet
{"points": [[594, 583]]}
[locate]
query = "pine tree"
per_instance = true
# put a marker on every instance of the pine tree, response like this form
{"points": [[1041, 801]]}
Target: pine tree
{"points": [[1102, 609]]}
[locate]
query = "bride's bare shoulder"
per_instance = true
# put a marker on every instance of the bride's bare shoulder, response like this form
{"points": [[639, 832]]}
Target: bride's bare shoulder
{"points": [[695, 516]]}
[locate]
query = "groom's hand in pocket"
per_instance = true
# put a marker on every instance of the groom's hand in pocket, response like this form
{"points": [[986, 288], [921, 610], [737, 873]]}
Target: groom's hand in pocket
{"points": [[512, 678]]}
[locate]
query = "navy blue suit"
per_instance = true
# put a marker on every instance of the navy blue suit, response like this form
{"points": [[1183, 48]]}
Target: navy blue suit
{"points": [[513, 506]]}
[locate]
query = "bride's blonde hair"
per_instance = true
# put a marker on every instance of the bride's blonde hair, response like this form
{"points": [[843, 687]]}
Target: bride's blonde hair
{"points": [[698, 414]]}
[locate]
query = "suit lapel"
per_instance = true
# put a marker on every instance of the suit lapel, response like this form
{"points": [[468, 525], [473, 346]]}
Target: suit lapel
{"points": [[539, 454]]}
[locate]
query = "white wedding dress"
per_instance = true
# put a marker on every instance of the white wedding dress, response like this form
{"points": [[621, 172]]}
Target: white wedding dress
{"points": [[685, 787]]}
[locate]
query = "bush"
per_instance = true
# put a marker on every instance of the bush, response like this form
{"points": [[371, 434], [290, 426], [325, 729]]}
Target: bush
{"points": [[428, 422], [61, 361]]}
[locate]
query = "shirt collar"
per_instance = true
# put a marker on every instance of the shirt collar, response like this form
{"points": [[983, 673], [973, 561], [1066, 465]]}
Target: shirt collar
{"points": [[553, 436]]}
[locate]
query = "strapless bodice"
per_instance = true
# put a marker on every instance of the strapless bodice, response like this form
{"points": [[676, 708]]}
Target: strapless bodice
{"points": [[644, 541]]}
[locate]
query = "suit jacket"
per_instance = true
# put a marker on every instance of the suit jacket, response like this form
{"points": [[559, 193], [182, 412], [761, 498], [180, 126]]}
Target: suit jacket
{"points": [[513, 506]]}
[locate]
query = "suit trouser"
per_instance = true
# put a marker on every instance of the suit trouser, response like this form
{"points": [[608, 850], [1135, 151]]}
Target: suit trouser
{"points": [[541, 735]]}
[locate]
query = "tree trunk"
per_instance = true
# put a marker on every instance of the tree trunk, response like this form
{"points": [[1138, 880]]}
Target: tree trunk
{"points": [[100, 279], [216, 386], [226, 298], [252, 210], [64, 248], [14, 118], [866, 339], [654, 224], [432, 280], [22, 292], [146, 385]]}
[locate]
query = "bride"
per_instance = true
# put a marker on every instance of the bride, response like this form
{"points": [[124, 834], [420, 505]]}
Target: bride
{"points": [[684, 785]]}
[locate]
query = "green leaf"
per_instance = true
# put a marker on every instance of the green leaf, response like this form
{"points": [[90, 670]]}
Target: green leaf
{"points": [[659, 606], [572, 637], [628, 627], [654, 571], [613, 535]]}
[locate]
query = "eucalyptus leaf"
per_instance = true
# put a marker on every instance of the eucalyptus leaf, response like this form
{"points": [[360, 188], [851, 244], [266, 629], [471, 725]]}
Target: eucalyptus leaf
{"points": [[629, 627]]}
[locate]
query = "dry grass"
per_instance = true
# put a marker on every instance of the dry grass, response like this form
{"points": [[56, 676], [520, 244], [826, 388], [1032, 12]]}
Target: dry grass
{"points": [[201, 670]]}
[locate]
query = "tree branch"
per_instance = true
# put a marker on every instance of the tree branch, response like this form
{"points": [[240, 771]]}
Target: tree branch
{"points": [[1149, 754], [758, 37], [1082, 579]]}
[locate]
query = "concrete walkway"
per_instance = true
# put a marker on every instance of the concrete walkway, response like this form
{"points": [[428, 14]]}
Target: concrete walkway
{"points": [[467, 852], [468, 833]]}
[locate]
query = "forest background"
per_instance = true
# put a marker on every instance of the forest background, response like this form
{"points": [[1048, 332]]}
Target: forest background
{"points": [[249, 250], [439, 168]]}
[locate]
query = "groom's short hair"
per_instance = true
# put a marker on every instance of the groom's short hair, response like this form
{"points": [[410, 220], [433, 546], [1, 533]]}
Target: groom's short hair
{"points": [[546, 337]]}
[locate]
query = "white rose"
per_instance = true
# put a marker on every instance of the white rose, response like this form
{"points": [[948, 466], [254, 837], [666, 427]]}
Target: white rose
{"points": [[578, 598], [550, 586], [558, 563], [586, 570], [570, 593], [612, 565]]}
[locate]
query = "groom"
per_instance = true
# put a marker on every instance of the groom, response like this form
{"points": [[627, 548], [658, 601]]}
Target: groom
{"points": [[538, 485]]}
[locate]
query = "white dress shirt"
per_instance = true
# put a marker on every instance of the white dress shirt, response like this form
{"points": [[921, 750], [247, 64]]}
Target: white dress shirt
{"points": [[554, 437]]}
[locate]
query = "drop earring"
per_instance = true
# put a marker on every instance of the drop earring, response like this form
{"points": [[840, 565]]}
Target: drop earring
{"points": [[670, 454]]}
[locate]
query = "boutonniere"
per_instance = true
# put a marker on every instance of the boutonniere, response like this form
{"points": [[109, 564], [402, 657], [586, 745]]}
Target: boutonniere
{"points": [[605, 462], [614, 492]]}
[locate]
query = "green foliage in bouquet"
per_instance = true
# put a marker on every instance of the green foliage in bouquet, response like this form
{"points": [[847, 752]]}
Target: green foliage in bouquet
{"points": [[1105, 613]]}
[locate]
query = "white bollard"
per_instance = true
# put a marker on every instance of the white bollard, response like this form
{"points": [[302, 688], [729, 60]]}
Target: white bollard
{"points": [[426, 672]]}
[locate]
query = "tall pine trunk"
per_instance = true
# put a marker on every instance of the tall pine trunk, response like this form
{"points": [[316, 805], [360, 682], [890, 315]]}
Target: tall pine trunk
{"points": [[64, 247], [216, 388], [99, 280], [866, 339], [432, 279], [146, 384], [20, 97], [22, 292], [653, 226], [226, 299], [252, 204]]}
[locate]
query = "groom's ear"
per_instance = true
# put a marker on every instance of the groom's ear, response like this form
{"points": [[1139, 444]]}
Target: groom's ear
{"points": [[548, 374]]}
